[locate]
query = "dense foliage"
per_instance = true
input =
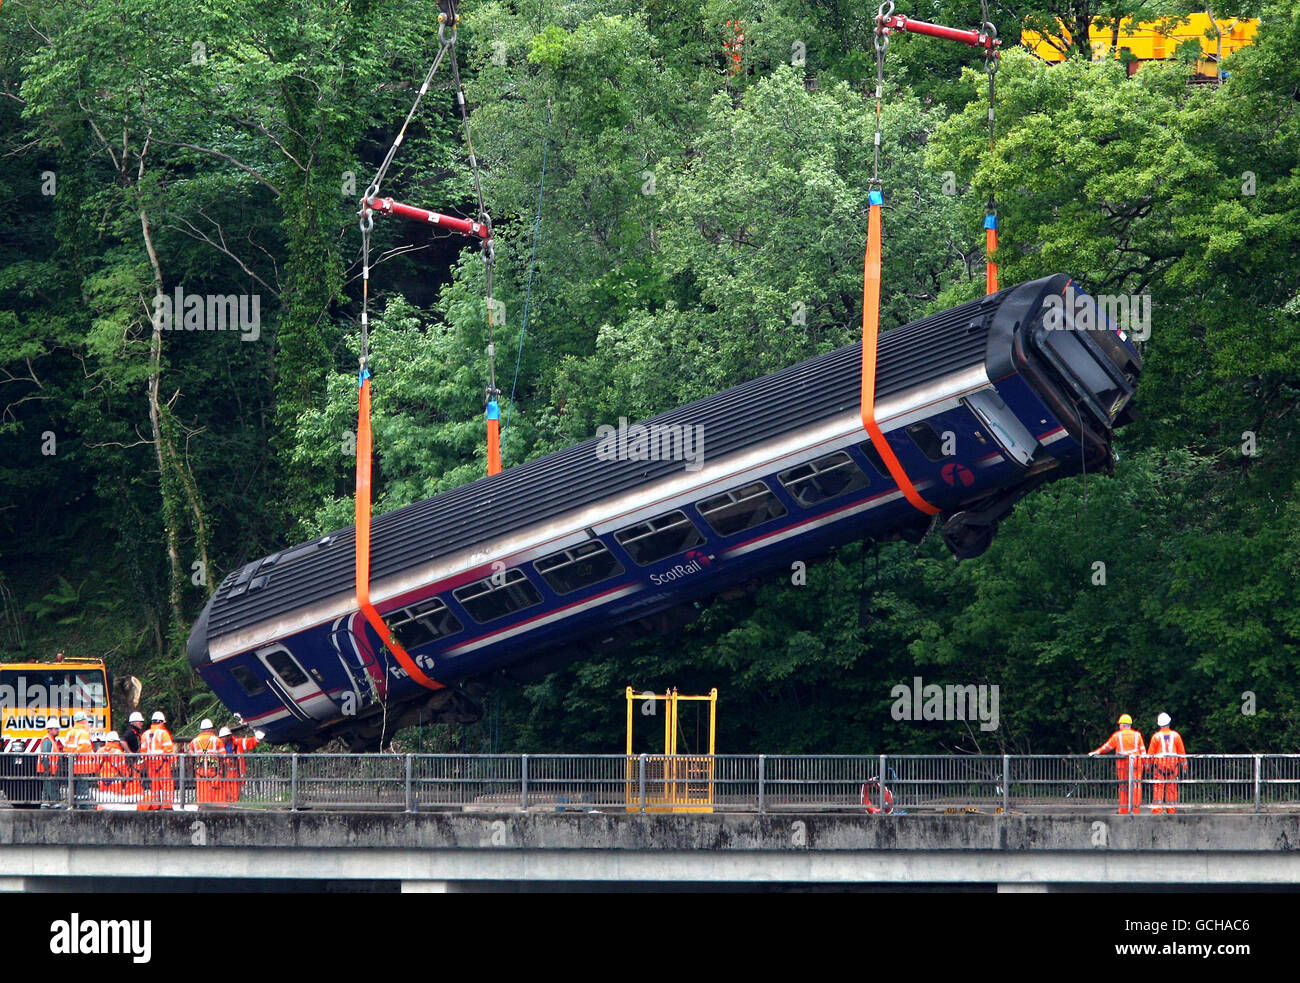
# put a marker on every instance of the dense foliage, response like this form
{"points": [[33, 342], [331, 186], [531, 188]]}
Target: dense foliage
{"points": [[699, 226]]}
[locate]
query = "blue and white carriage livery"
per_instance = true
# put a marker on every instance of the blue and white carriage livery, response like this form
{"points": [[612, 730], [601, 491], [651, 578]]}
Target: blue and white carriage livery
{"points": [[981, 403]]}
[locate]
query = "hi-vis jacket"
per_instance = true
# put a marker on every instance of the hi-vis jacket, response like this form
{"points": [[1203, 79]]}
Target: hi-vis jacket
{"points": [[1125, 742], [48, 762], [235, 748], [1128, 748], [206, 746], [157, 740], [79, 742], [1167, 750], [113, 767]]}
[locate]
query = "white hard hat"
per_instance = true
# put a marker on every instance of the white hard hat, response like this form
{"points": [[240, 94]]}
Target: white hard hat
{"points": [[206, 725], [259, 734], [1162, 720], [224, 732], [51, 723], [158, 717], [111, 736], [136, 718], [79, 715]]}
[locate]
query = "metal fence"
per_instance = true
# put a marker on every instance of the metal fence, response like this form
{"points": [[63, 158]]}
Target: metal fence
{"points": [[648, 783]]}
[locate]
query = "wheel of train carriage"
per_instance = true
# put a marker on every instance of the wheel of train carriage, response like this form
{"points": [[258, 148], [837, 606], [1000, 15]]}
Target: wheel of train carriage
{"points": [[967, 536]]}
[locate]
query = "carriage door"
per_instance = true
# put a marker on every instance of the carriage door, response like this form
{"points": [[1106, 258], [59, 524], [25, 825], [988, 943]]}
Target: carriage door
{"points": [[1011, 436], [297, 690], [361, 670]]}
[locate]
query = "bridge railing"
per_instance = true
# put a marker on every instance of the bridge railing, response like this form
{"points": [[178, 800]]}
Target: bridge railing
{"points": [[657, 783]]}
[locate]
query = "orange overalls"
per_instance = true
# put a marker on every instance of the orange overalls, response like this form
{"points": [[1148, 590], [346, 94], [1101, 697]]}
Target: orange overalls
{"points": [[1168, 758], [133, 768], [157, 747], [112, 768], [1127, 745], [84, 766], [234, 766], [207, 766]]}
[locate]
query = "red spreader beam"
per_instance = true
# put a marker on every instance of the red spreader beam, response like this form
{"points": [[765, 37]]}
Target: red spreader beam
{"points": [[465, 226], [976, 39], [475, 230]]}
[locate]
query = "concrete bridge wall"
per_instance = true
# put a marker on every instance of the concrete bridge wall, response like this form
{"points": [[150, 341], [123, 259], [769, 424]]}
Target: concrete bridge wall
{"points": [[449, 851]]}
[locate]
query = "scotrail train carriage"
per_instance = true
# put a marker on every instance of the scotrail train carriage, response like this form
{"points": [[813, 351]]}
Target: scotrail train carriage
{"points": [[589, 545]]}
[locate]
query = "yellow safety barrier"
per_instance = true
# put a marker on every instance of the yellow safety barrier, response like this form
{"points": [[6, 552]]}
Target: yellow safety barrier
{"points": [[671, 782]]}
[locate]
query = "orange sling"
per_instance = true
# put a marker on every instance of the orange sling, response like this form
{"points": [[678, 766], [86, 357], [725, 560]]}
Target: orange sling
{"points": [[363, 542], [870, 331]]}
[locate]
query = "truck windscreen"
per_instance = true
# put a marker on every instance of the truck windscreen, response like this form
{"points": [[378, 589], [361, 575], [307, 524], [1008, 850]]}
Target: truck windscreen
{"points": [[64, 689]]}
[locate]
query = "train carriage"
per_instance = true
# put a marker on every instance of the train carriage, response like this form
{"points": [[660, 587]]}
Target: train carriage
{"points": [[627, 532]]}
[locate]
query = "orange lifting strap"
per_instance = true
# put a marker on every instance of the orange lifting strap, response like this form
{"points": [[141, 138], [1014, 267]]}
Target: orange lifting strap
{"points": [[990, 245], [363, 542], [870, 330], [986, 38], [493, 437]]}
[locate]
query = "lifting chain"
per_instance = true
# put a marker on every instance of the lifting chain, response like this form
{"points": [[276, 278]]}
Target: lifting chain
{"points": [[882, 45], [448, 24], [991, 65], [365, 213]]}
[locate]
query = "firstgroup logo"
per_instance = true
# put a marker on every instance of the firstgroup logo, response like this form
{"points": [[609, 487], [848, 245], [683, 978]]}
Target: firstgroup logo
{"points": [[74, 936]]}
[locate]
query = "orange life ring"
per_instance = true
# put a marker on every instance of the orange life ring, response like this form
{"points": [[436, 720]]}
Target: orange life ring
{"points": [[871, 793]]}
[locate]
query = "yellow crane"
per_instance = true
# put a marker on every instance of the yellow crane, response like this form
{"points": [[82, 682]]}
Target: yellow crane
{"points": [[1153, 40]]}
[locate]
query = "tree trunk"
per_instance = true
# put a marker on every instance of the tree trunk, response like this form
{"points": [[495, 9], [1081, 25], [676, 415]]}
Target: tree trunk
{"points": [[171, 524]]}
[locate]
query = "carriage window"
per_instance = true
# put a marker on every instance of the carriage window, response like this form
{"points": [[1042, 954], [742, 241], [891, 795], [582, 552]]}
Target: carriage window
{"points": [[583, 565], [286, 667], [248, 681], [741, 509], [422, 623], [924, 437], [826, 477], [497, 596], [873, 455], [660, 537]]}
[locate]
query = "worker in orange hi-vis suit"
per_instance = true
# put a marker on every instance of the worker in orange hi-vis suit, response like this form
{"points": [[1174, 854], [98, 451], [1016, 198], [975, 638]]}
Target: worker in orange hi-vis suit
{"points": [[234, 766], [206, 750], [1168, 758], [157, 746], [113, 767], [85, 766], [1128, 747]]}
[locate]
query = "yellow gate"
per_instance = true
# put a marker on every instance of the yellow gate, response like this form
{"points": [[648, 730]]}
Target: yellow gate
{"points": [[670, 782]]}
